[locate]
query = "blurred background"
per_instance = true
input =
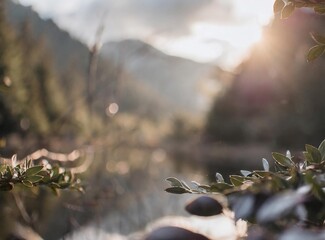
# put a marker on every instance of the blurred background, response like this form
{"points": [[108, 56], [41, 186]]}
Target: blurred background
{"points": [[128, 93]]}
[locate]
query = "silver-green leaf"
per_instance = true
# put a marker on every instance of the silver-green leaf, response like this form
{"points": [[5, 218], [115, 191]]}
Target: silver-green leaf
{"points": [[33, 170], [174, 182], [315, 52]]}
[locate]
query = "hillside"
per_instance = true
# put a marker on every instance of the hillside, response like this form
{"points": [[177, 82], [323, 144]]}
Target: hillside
{"points": [[63, 47], [153, 82], [174, 79]]}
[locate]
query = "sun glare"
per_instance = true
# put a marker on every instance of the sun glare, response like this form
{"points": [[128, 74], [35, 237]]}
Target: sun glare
{"points": [[238, 36], [226, 42], [259, 11], [211, 42]]}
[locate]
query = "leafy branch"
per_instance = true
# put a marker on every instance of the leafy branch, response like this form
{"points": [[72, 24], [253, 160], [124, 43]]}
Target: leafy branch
{"points": [[286, 7], [292, 194], [30, 175]]}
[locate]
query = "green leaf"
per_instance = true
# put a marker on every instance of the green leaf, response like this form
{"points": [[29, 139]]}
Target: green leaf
{"points": [[237, 180], [320, 9], [174, 182], [308, 157], [177, 190], [46, 176], [8, 173], [17, 168], [315, 52], [64, 185], [218, 187], [275, 179], [318, 192], [315, 154], [263, 174], [316, 188], [3, 168], [287, 10], [185, 185], [282, 160], [318, 38], [34, 179], [321, 149], [27, 183], [278, 6], [33, 170], [54, 172]]}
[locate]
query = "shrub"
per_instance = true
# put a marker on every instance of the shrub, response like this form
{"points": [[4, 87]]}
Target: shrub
{"points": [[28, 175], [288, 201]]}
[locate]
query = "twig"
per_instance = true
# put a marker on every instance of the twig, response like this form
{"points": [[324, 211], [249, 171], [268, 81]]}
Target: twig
{"points": [[21, 208]]}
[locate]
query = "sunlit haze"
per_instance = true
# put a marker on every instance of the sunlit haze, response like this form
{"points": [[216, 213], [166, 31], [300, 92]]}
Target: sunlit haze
{"points": [[218, 31]]}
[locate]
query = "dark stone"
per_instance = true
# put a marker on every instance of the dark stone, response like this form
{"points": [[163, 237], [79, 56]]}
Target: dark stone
{"points": [[204, 206], [174, 233]]}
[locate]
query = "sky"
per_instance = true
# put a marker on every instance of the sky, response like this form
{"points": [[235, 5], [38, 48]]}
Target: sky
{"points": [[217, 31]]}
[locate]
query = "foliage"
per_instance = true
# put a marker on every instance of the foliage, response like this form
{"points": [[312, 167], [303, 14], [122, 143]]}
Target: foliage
{"points": [[290, 198], [30, 175], [29, 76], [286, 7], [274, 97], [288, 202]]}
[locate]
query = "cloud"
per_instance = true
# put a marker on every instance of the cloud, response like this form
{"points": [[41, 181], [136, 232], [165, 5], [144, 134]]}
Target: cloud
{"points": [[133, 19], [186, 28], [52, 8], [168, 16], [142, 17]]}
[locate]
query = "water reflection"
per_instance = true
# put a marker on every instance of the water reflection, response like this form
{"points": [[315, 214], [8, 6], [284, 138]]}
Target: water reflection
{"points": [[130, 195]]}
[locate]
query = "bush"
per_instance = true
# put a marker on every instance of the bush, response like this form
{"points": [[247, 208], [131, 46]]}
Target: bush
{"points": [[289, 201], [28, 175]]}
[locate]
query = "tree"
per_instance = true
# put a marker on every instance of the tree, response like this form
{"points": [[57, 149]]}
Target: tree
{"points": [[286, 7], [274, 97]]}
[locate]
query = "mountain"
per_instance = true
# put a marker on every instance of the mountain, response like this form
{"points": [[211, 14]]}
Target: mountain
{"points": [[64, 48], [177, 80], [139, 77]]}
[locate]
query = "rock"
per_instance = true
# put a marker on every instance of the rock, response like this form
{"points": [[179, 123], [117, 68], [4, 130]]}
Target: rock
{"points": [[174, 233], [204, 206]]}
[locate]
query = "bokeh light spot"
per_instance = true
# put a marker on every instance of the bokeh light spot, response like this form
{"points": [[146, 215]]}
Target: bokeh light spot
{"points": [[112, 109]]}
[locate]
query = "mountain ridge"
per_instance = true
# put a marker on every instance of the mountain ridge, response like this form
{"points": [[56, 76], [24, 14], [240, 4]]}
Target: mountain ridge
{"points": [[174, 80], [178, 78]]}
